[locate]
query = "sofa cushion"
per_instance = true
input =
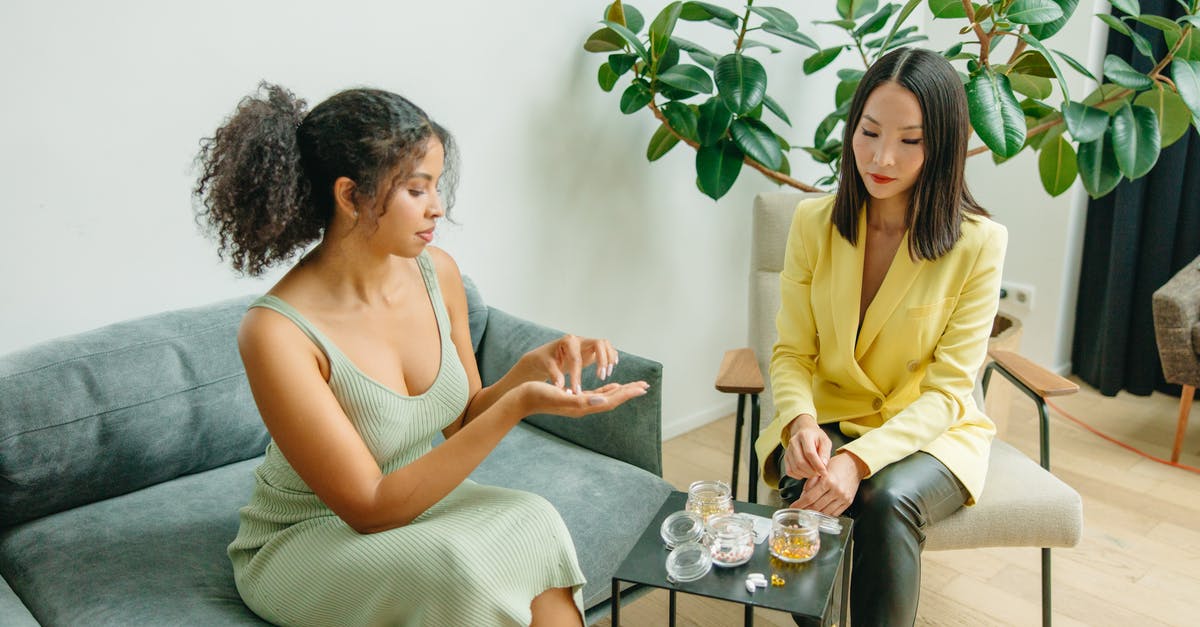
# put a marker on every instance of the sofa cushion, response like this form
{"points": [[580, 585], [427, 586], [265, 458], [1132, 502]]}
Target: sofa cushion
{"points": [[151, 557], [477, 312], [14, 612], [1196, 338], [126, 406], [157, 556]]}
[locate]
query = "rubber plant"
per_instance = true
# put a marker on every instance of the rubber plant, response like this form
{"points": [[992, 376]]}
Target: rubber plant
{"points": [[719, 105]]}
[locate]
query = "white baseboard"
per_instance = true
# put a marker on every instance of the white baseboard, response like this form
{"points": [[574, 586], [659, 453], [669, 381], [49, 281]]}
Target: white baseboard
{"points": [[680, 426], [1063, 369]]}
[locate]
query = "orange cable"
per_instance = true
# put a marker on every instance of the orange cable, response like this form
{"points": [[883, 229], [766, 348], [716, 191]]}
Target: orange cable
{"points": [[1119, 443]]}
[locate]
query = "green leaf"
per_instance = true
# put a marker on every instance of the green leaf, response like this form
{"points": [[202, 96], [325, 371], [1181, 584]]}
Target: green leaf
{"points": [[1033, 12], [1037, 45], [776, 17], [604, 40], [1056, 165], [741, 82], [704, 11], [825, 128], [785, 168], [714, 119], [1079, 67], [753, 43], [1033, 63], [1043, 31], [995, 114], [1098, 166], [717, 168], [947, 9], [621, 63], [844, 92], [626, 15], [631, 39], [1142, 44], [850, 74], [821, 59], [1085, 123], [1038, 141], [1033, 86], [606, 77], [636, 96], [1132, 7], [904, 13], [690, 78], [1187, 79], [1159, 22], [1174, 118], [1114, 95], [1120, 72], [661, 28], [1135, 138], [698, 53], [793, 36], [1114, 23], [774, 107], [877, 21], [682, 118], [661, 143], [1035, 109], [896, 43], [854, 9], [846, 25], [1190, 49], [757, 141]]}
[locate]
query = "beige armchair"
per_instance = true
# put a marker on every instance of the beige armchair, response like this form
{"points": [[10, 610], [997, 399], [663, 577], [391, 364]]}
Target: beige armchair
{"points": [[1177, 332], [1023, 504]]}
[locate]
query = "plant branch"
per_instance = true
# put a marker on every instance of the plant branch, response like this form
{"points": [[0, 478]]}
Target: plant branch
{"points": [[1020, 47], [742, 35], [984, 40], [778, 177], [1158, 67]]}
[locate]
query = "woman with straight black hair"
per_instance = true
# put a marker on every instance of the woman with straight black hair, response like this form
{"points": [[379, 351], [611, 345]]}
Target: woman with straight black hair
{"points": [[889, 289], [357, 357]]}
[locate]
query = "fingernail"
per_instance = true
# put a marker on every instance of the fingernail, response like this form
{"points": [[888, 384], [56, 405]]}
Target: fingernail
{"points": [[596, 400], [610, 368], [570, 391]]}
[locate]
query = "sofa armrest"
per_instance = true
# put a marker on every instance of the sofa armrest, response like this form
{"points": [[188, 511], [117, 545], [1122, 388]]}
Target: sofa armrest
{"points": [[631, 433], [1176, 307], [12, 609]]}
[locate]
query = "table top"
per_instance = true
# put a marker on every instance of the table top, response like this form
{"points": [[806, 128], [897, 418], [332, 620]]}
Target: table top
{"points": [[808, 587]]}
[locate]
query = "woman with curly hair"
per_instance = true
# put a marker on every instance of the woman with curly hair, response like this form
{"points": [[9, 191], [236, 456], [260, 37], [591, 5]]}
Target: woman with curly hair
{"points": [[356, 358]]}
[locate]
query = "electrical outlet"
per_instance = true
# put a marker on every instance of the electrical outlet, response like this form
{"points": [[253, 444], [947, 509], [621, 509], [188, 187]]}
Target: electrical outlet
{"points": [[1017, 295]]}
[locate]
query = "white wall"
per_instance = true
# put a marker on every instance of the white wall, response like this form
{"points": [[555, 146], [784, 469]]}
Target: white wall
{"points": [[561, 219]]}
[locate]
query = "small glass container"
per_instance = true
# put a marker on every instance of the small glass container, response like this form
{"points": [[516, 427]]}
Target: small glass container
{"points": [[731, 539], [827, 523], [709, 498], [680, 527], [795, 535], [688, 562]]}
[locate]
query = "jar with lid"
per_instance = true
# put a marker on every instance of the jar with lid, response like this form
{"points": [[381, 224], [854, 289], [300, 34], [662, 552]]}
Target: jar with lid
{"points": [[709, 498], [731, 539], [688, 562], [795, 535], [680, 527]]}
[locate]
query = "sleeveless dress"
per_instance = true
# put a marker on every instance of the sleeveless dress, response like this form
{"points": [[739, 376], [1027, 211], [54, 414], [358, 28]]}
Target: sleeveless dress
{"points": [[477, 557]]}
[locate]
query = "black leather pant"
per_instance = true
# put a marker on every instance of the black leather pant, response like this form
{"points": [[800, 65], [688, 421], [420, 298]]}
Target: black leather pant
{"points": [[890, 511]]}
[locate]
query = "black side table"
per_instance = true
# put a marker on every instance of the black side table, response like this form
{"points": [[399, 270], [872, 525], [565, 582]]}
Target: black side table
{"points": [[816, 591]]}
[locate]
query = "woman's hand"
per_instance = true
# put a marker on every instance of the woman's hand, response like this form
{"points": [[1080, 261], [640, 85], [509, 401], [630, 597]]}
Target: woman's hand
{"points": [[568, 356], [833, 491], [808, 449], [538, 397]]}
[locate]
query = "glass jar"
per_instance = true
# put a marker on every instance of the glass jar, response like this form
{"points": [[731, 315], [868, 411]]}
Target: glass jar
{"points": [[688, 562], [709, 498], [680, 527], [731, 539], [795, 535]]}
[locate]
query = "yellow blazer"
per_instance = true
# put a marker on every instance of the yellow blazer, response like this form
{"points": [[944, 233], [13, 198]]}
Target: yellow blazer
{"points": [[904, 383]]}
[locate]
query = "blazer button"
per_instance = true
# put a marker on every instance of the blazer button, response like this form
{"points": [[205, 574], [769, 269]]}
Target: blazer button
{"points": [[877, 404], [912, 365]]}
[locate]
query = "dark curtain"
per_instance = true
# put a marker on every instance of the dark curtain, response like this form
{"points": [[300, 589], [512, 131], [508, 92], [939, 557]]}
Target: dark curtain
{"points": [[1136, 238]]}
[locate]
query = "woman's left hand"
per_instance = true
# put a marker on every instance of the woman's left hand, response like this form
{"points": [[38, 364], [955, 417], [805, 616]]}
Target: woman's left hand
{"points": [[832, 492], [568, 356]]}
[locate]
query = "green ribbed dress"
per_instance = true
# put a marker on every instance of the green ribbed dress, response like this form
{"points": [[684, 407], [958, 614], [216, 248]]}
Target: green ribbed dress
{"points": [[477, 557]]}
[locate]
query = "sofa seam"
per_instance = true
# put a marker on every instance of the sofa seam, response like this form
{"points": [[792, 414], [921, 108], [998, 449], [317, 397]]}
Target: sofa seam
{"points": [[113, 409]]}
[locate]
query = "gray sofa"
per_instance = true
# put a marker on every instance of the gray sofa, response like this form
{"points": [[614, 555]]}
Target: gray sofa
{"points": [[125, 453]]}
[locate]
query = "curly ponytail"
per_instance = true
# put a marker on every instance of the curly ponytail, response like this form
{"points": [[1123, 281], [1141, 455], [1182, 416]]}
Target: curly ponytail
{"points": [[254, 193], [266, 188]]}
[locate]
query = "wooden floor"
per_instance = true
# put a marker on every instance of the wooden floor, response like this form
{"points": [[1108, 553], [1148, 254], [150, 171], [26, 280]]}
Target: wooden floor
{"points": [[1138, 562]]}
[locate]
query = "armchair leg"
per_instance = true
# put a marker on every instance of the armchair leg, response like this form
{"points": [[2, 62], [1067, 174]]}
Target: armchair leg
{"points": [[1185, 408], [1046, 587]]}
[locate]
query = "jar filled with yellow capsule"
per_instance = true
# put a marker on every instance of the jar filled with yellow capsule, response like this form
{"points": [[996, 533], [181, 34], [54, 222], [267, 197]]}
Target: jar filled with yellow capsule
{"points": [[795, 535], [709, 498]]}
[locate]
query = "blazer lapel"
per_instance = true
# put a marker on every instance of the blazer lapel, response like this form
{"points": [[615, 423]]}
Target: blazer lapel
{"points": [[846, 262], [896, 282]]}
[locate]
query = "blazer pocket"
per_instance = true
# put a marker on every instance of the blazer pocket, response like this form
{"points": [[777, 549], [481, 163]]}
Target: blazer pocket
{"points": [[925, 311]]}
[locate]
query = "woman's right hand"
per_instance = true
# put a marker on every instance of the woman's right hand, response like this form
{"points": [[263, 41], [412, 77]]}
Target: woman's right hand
{"points": [[539, 397], [808, 449]]}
